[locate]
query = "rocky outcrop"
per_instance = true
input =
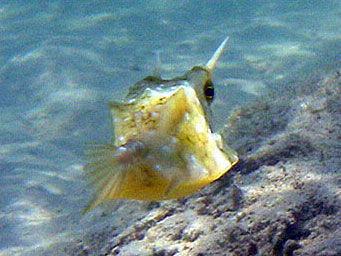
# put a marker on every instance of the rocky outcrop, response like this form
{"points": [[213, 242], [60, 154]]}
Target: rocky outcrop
{"points": [[282, 199]]}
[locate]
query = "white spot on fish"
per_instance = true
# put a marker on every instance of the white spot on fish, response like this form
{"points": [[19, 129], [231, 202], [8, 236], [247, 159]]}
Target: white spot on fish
{"points": [[120, 139], [189, 91], [157, 167], [202, 119], [200, 126], [121, 149], [124, 155], [186, 116], [150, 132], [165, 148], [158, 107], [173, 140], [220, 159], [196, 101], [154, 114], [195, 166], [218, 140]]}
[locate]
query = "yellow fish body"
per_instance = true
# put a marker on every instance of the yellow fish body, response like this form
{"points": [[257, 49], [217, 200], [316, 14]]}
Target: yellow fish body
{"points": [[163, 146]]}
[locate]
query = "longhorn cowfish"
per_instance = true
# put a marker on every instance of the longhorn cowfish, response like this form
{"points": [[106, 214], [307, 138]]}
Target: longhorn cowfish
{"points": [[163, 146]]}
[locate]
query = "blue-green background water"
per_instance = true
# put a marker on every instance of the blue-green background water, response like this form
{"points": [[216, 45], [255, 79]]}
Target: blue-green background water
{"points": [[60, 61]]}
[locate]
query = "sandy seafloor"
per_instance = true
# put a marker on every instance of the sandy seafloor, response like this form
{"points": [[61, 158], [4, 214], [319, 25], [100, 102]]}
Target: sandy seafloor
{"points": [[61, 61]]}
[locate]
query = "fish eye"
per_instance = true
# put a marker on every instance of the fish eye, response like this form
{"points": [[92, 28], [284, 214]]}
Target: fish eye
{"points": [[209, 91]]}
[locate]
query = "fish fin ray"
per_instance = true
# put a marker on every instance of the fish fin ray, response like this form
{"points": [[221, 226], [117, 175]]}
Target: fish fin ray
{"points": [[158, 64], [105, 173]]}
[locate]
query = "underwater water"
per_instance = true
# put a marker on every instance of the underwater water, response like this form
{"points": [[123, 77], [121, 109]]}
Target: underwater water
{"points": [[61, 61]]}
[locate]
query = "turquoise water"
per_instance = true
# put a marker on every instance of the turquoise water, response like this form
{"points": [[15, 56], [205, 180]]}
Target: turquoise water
{"points": [[61, 61]]}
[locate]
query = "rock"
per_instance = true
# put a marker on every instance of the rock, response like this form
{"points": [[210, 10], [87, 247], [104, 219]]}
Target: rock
{"points": [[282, 199]]}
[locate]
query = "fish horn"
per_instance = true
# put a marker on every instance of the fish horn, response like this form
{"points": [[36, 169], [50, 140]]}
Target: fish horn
{"points": [[213, 61]]}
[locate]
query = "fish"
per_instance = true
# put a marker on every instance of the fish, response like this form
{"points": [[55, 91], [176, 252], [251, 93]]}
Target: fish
{"points": [[162, 144]]}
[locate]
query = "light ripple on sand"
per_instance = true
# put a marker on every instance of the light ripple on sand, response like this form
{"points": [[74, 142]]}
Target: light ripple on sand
{"points": [[287, 49]]}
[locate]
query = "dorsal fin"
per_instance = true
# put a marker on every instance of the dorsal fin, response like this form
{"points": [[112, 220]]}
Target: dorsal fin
{"points": [[158, 64]]}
